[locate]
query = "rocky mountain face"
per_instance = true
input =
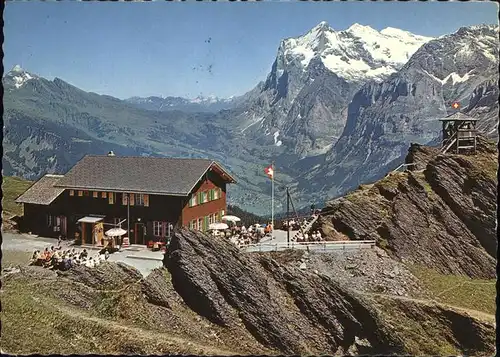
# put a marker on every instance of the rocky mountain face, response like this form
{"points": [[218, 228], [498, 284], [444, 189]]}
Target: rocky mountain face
{"points": [[196, 105], [303, 103], [295, 311], [440, 215], [384, 118]]}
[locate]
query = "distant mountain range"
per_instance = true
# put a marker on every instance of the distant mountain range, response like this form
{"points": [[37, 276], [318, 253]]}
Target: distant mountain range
{"points": [[200, 104], [338, 108]]}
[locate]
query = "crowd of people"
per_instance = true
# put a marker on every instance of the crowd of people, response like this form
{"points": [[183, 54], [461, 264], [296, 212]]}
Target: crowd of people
{"points": [[240, 235], [294, 224], [306, 237], [59, 259]]}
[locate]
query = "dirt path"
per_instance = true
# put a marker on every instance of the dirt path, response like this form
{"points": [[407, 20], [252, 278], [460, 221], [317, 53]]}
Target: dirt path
{"points": [[151, 335], [474, 313]]}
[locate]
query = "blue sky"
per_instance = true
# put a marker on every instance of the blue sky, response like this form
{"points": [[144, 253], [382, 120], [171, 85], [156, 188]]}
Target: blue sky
{"points": [[188, 49]]}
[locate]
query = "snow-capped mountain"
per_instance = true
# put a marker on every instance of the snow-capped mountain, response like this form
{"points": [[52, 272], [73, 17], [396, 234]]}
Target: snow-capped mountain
{"points": [[313, 79], [17, 77], [359, 53], [384, 118], [198, 104]]}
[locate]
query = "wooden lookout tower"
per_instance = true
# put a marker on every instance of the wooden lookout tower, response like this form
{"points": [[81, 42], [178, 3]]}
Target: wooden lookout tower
{"points": [[459, 133]]}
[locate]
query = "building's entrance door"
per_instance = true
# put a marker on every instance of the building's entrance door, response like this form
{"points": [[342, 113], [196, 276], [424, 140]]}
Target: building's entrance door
{"points": [[63, 226], [139, 233], [87, 233]]}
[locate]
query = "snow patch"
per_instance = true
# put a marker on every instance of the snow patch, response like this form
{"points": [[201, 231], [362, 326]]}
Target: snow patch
{"points": [[276, 141], [258, 120], [455, 78]]}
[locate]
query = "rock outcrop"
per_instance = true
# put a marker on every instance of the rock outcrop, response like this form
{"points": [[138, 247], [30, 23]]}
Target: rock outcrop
{"points": [[442, 217], [291, 310]]}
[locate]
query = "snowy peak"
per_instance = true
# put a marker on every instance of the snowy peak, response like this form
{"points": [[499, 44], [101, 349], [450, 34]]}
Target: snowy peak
{"points": [[359, 53], [17, 68], [17, 77]]}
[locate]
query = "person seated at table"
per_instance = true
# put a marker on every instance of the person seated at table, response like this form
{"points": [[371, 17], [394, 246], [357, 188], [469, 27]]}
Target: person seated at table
{"points": [[84, 253], [89, 263]]}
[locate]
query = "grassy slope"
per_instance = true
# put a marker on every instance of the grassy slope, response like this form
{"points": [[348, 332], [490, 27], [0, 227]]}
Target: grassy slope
{"points": [[12, 187], [457, 290], [74, 330]]}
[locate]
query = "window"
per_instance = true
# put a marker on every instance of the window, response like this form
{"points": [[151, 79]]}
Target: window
{"points": [[95, 194], [49, 220], [104, 195], [211, 219], [71, 192], [222, 214], [159, 229], [111, 198], [204, 197], [216, 195], [146, 200], [200, 224], [215, 218], [192, 224], [124, 199], [139, 199], [205, 226], [80, 193], [193, 200]]}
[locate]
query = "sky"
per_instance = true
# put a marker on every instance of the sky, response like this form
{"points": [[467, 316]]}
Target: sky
{"points": [[194, 48]]}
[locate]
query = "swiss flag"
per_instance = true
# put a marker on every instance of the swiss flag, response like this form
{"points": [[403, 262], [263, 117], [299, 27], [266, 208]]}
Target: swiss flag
{"points": [[455, 105], [269, 171]]}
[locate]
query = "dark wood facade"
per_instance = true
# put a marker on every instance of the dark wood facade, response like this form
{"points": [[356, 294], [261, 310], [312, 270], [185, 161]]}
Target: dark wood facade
{"points": [[149, 219]]}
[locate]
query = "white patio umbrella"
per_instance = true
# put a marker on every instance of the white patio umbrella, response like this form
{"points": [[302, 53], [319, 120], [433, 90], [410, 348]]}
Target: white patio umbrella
{"points": [[214, 226], [231, 218], [116, 232]]}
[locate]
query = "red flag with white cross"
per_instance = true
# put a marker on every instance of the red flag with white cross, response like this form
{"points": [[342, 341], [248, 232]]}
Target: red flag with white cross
{"points": [[270, 171], [455, 105]]}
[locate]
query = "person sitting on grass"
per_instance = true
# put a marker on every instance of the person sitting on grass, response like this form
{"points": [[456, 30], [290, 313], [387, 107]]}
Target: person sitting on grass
{"points": [[37, 258], [34, 257]]}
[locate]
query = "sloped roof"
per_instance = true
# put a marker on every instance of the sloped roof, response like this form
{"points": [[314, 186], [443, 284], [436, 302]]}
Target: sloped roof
{"points": [[42, 192], [166, 176], [458, 116]]}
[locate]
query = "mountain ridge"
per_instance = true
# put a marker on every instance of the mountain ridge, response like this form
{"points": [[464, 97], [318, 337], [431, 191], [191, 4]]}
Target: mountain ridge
{"points": [[330, 137]]}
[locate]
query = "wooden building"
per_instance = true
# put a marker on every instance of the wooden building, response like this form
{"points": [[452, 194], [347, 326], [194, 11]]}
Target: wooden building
{"points": [[99, 192], [459, 133]]}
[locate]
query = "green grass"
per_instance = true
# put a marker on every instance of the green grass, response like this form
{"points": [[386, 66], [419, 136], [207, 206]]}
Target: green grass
{"points": [[458, 290], [12, 188]]}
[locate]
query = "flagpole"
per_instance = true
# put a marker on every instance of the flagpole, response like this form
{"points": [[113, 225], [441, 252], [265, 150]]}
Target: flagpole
{"points": [[272, 202]]}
